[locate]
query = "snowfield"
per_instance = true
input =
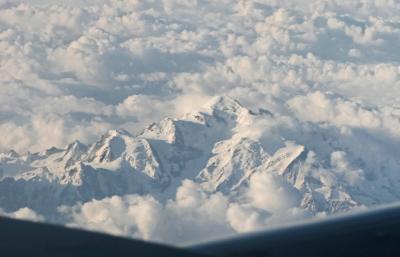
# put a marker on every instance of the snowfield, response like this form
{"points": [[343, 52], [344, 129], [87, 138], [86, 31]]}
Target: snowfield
{"points": [[180, 120]]}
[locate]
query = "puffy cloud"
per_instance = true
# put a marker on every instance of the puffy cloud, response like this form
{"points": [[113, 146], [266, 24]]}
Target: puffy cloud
{"points": [[272, 193], [192, 216], [341, 166], [144, 108], [244, 218], [320, 107], [45, 131], [24, 214], [132, 215]]}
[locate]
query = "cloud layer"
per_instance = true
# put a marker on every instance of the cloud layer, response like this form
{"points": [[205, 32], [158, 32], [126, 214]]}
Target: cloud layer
{"points": [[73, 70], [193, 215]]}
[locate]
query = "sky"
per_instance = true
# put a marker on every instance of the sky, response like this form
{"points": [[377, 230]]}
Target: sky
{"points": [[72, 70]]}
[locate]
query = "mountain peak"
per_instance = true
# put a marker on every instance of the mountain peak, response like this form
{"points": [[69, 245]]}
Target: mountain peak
{"points": [[50, 151], [224, 103], [234, 161], [111, 145], [74, 151], [12, 154], [166, 129], [75, 145], [225, 107], [116, 133]]}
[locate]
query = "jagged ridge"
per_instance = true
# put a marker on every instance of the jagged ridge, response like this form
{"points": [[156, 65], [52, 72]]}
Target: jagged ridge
{"points": [[204, 146]]}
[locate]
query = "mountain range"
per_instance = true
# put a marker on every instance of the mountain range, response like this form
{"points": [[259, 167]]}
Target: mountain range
{"points": [[209, 146]]}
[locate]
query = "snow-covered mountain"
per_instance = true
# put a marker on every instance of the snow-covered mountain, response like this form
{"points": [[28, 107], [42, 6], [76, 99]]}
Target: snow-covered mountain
{"points": [[209, 147]]}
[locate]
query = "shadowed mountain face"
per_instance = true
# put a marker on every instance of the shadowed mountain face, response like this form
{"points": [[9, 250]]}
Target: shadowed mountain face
{"points": [[209, 147]]}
